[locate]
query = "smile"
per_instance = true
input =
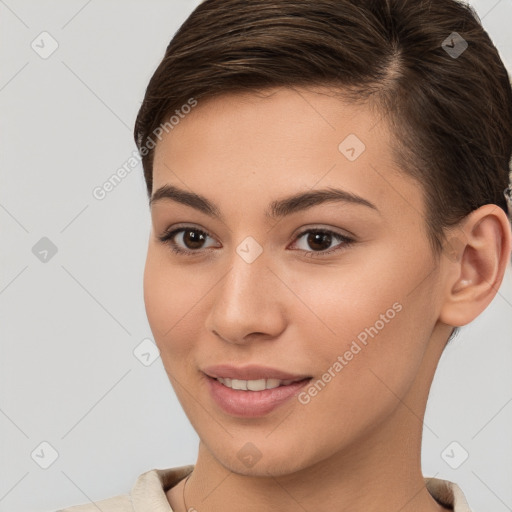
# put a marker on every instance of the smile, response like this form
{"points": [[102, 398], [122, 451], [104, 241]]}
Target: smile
{"points": [[254, 385], [252, 398]]}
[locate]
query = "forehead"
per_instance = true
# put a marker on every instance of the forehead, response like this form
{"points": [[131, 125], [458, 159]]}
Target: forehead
{"points": [[281, 139], [302, 122], [305, 110]]}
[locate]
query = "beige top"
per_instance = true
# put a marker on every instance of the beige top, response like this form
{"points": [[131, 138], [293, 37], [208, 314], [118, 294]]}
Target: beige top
{"points": [[148, 494]]}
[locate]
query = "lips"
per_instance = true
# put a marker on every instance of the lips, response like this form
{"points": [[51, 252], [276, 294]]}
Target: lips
{"points": [[251, 372], [251, 391]]}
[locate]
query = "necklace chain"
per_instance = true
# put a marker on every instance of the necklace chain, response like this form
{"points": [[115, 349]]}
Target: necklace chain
{"points": [[184, 502]]}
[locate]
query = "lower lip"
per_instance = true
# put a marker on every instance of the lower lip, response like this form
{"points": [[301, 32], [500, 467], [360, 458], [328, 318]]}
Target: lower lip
{"points": [[251, 404]]}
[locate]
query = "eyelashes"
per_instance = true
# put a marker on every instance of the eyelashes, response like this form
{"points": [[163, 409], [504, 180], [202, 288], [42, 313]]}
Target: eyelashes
{"points": [[319, 235], [168, 238], [195, 235]]}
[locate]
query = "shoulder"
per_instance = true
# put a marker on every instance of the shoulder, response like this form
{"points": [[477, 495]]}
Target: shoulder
{"points": [[147, 493], [448, 494], [122, 503]]}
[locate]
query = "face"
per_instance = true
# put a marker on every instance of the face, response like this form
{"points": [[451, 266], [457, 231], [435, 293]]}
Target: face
{"points": [[338, 293]]}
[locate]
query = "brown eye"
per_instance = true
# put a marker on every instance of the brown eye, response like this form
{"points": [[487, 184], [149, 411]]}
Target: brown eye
{"points": [[320, 241], [191, 241]]}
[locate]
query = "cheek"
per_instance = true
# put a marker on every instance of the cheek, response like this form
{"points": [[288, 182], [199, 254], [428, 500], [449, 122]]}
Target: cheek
{"points": [[339, 304], [170, 296], [358, 384], [379, 329]]}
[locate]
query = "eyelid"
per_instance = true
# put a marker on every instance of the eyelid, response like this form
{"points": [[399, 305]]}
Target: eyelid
{"points": [[319, 227], [345, 240]]}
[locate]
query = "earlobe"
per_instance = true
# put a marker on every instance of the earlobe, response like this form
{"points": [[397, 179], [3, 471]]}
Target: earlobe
{"points": [[475, 259]]}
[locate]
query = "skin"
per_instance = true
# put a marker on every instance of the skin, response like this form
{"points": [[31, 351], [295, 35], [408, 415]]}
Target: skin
{"points": [[356, 445]]}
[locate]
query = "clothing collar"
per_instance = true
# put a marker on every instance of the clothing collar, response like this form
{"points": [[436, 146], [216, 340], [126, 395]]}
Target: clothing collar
{"points": [[149, 490]]}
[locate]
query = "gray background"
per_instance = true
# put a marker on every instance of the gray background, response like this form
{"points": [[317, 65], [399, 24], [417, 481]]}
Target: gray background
{"points": [[69, 325]]}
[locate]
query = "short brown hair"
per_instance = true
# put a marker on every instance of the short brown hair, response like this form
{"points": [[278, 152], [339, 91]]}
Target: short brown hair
{"points": [[451, 116]]}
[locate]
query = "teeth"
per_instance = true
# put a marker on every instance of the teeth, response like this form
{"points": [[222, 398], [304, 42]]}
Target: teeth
{"points": [[254, 385]]}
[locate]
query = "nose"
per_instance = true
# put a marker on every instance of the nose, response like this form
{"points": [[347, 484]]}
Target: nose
{"points": [[248, 303]]}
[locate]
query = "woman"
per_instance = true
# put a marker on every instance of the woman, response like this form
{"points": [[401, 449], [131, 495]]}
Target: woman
{"points": [[326, 182]]}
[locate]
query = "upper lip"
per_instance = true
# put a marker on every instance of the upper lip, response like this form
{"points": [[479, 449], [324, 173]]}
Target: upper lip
{"points": [[250, 372]]}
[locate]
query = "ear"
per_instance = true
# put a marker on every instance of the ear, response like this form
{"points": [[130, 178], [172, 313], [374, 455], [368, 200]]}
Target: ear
{"points": [[474, 261]]}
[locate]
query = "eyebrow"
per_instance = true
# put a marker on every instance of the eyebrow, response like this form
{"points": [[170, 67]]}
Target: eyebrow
{"points": [[277, 209]]}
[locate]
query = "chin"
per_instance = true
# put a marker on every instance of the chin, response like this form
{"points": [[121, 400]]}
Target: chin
{"points": [[270, 460]]}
